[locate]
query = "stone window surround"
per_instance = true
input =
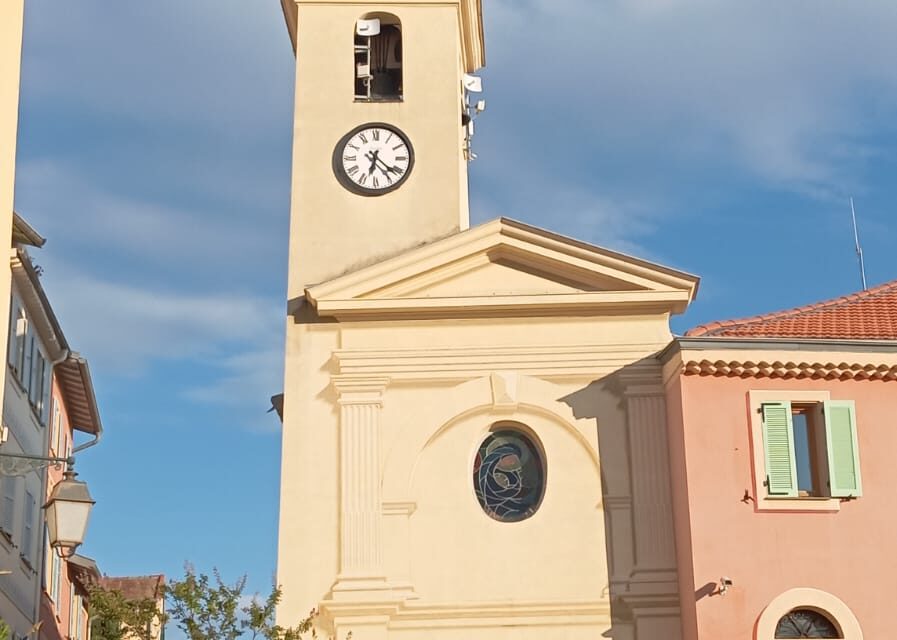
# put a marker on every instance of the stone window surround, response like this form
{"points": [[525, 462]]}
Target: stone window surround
{"points": [[766, 502], [806, 598]]}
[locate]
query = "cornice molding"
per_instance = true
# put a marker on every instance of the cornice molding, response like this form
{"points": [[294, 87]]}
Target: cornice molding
{"points": [[646, 302], [452, 364], [790, 370], [602, 280], [410, 614], [458, 615]]}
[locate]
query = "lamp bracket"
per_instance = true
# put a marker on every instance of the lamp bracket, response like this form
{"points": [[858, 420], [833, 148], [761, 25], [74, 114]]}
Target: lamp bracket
{"points": [[21, 464]]}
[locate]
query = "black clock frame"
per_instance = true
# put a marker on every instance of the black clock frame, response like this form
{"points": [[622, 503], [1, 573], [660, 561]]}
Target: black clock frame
{"points": [[351, 185]]}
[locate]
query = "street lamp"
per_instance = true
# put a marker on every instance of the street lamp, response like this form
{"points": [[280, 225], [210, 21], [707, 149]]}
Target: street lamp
{"points": [[69, 505], [68, 510]]}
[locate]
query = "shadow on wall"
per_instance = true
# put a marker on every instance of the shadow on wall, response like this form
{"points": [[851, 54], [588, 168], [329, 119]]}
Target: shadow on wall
{"points": [[605, 402]]}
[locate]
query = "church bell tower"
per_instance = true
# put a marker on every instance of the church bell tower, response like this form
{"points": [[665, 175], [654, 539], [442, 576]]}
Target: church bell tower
{"points": [[379, 161]]}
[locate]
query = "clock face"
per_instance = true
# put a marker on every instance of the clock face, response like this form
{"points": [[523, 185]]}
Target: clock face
{"points": [[373, 159]]}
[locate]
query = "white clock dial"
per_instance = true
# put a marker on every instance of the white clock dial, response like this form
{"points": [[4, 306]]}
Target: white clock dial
{"points": [[373, 159]]}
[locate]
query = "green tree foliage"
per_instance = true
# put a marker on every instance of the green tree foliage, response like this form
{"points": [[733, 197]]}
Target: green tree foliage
{"points": [[205, 608], [5, 631], [209, 609], [114, 617]]}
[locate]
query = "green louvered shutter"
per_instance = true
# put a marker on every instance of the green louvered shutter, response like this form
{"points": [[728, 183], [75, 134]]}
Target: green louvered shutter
{"points": [[778, 442], [843, 455]]}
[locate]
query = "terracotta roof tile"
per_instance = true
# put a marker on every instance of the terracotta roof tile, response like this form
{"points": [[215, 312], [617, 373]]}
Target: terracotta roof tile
{"points": [[866, 315], [135, 588]]}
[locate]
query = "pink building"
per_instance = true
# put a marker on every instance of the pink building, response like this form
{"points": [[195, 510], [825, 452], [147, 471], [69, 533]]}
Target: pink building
{"points": [[781, 436], [65, 598]]}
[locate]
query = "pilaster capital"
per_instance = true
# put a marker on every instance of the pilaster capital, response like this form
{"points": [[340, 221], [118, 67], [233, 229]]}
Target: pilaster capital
{"points": [[360, 390], [641, 380]]}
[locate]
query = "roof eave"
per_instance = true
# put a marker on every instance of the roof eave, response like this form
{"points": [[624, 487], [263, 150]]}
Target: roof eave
{"points": [[716, 343], [37, 304], [73, 375], [24, 233], [86, 571], [290, 16]]}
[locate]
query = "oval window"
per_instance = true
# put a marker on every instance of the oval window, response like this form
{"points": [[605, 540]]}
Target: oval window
{"points": [[508, 476]]}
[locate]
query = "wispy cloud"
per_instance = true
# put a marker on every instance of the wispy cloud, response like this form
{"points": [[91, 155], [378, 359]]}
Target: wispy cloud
{"points": [[153, 233], [245, 381], [203, 62], [649, 94], [125, 325], [234, 342]]}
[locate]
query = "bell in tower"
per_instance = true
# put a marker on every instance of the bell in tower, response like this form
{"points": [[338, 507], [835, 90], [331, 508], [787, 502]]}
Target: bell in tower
{"points": [[378, 58]]}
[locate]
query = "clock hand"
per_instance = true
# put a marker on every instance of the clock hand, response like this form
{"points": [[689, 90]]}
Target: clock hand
{"points": [[386, 168], [373, 157]]}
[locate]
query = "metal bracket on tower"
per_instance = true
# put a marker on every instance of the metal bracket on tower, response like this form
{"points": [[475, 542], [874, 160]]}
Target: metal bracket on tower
{"points": [[471, 84]]}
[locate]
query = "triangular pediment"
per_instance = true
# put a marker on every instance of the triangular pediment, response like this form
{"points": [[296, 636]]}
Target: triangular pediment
{"points": [[504, 266]]}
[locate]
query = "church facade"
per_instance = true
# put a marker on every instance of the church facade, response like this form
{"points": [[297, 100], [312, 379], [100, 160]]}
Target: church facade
{"points": [[474, 434]]}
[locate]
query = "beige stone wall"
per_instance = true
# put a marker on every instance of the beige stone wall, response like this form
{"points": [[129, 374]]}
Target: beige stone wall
{"points": [[404, 405], [11, 16]]}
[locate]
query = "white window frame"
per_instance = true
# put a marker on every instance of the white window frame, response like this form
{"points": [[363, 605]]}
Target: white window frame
{"points": [[19, 344], [11, 352], [72, 604], [57, 574], [79, 620], [53, 564], [56, 423]]}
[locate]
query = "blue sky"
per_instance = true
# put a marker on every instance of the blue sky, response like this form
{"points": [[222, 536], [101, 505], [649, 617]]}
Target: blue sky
{"points": [[722, 138]]}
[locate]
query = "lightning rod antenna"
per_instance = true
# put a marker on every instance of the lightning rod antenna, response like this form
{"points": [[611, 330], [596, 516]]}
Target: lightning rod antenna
{"points": [[859, 249]]}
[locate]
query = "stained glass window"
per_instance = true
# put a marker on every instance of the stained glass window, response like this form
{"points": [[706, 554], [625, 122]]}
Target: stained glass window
{"points": [[806, 623], [508, 476]]}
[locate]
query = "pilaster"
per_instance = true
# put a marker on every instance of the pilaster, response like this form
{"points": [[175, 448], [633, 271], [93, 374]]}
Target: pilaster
{"points": [[360, 402], [652, 593]]}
